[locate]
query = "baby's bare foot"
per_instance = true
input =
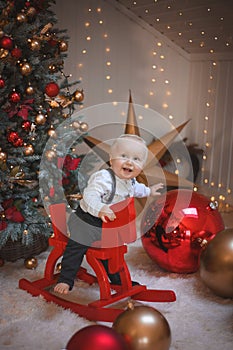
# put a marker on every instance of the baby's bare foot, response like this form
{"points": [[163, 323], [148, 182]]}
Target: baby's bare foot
{"points": [[62, 288]]}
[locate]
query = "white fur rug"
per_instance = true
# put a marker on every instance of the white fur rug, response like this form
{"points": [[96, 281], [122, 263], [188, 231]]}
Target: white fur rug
{"points": [[199, 320]]}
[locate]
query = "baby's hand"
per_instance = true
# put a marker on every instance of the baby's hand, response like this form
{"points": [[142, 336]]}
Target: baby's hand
{"points": [[106, 212], [154, 189]]}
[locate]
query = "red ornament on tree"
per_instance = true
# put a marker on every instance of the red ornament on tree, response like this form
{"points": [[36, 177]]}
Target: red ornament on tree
{"points": [[12, 136], [52, 89], [14, 97], [16, 53], [18, 143], [6, 42], [2, 83], [97, 337], [26, 125]]}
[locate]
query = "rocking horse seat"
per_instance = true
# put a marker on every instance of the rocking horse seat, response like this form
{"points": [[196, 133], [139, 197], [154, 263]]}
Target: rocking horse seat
{"points": [[112, 247]]}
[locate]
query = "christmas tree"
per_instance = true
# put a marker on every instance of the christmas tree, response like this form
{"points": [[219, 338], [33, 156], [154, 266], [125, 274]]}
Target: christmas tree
{"points": [[35, 98]]}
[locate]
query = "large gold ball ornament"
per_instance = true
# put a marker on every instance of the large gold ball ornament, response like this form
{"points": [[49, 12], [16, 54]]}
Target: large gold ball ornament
{"points": [[25, 68], [40, 119], [78, 95], [31, 263], [143, 328], [28, 150], [52, 133], [216, 264]]}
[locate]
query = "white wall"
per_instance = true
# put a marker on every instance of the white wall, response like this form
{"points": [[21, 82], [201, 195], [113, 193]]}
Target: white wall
{"points": [[192, 81]]}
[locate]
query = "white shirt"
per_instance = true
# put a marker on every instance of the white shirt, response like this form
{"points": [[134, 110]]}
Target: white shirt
{"points": [[100, 186]]}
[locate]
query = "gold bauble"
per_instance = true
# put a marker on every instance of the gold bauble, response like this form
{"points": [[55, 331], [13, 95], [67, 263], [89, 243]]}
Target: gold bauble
{"points": [[143, 328], [30, 90], [40, 119], [31, 263], [28, 150], [83, 127], [76, 125], [50, 155], [21, 18], [3, 156], [63, 46], [53, 68], [34, 44], [52, 133], [25, 68], [216, 264], [78, 95], [3, 53]]}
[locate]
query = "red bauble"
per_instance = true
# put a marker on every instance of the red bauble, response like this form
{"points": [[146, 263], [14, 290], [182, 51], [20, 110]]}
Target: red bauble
{"points": [[2, 83], [6, 42], [96, 337], [52, 89], [16, 53], [18, 143], [14, 97], [26, 125], [12, 136], [177, 226]]}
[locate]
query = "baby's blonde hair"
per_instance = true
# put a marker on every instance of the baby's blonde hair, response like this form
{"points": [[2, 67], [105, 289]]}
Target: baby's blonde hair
{"points": [[130, 137]]}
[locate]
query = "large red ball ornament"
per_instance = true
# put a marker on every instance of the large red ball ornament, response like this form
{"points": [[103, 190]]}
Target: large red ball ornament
{"points": [[12, 136], [52, 89], [2, 83], [216, 264], [176, 227], [6, 42], [96, 337]]}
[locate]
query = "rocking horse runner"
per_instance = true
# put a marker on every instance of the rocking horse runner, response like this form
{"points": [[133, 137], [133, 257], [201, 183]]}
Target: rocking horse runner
{"points": [[96, 219]]}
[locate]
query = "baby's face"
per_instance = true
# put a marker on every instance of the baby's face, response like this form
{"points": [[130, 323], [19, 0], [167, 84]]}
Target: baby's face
{"points": [[128, 158]]}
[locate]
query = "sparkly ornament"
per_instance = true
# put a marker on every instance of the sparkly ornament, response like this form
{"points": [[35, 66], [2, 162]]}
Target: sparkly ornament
{"points": [[16, 53], [52, 89], [6, 42], [76, 125], [34, 44], [50, 155], [14, 97], [143, 328], [58, 267], [21, 18], [96, 337], [30, 90], [40, 119], [78, 95], [18, 142], [28, 150], [63, 46], [176, 227], [31, 263], [83, 127], [216, 264], [25, 68], [2, 83], [53, 68], [26, 125], [12, 136]]}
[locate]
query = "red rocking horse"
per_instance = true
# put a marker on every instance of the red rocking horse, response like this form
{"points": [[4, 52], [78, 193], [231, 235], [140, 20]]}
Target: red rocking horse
{"points": [[112, 247]]}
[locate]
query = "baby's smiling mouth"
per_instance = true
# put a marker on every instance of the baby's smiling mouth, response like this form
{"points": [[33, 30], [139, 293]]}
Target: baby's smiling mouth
{"points": [[127, 169]]}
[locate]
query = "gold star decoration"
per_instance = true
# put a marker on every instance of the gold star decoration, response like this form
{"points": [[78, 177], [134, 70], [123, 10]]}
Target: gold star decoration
{"points": [[152, 172]]}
